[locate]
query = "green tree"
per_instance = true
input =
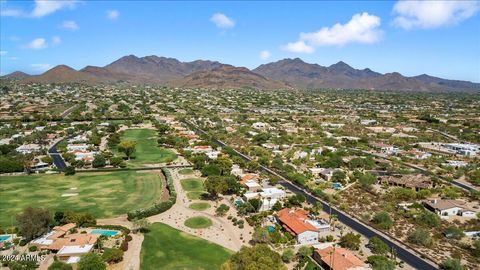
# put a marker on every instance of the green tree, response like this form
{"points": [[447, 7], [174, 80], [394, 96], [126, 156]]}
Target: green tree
{"points": [[350, 241], [215, 185], [99, 161], [420, 237], [127, 147], [305, 251], [366, 180], [452, 264], [379, 262], [454, 232], [69, 170], [140, 224], [288, 255], [112, 255], [377, 246], [33, 222], [428, 219], [116, 161], [91, 261], [383, 220], [211, 169], [256, 257], [222, 210], [339, 176]]}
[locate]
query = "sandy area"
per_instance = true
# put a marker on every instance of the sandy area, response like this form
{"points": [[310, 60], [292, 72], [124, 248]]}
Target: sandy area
{"points": [[222, 232]]}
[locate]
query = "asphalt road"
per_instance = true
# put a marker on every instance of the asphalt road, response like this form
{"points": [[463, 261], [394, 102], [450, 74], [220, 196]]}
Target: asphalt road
{"points": [[402, 253], [57, 158]]}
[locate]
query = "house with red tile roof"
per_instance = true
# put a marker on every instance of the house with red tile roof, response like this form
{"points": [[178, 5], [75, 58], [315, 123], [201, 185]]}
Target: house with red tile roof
{"points": [[297, 223], [337, 258]]}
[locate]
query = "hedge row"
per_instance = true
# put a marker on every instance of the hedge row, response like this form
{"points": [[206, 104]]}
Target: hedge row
{"points": [[158, 207]]}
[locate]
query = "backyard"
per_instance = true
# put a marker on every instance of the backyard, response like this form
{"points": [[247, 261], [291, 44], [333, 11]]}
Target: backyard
{"points": [[105, 194], [167, 248], [147, 150]]}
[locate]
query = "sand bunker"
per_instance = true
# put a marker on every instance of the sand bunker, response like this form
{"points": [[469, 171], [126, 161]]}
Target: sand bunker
{"points": [[69, 194]]}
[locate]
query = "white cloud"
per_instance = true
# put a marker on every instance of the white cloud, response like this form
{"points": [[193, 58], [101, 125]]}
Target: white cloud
{"points": [[362, 28], [46, 7], [112, 14], [299, 47], [56, 40], [71, 25], [432, 14], [222, 21], [10, 12], [2, 53], [37, 44], [40, 67], [264, 55]]}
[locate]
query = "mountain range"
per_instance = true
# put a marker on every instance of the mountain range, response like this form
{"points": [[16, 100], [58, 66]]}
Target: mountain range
{"points": [[286, 73]]}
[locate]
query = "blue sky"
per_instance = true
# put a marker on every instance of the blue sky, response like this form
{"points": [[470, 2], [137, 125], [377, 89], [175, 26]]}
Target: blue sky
{"points": [[414, 37]]}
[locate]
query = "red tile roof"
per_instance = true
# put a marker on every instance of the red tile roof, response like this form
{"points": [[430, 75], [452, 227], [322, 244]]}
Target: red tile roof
{"points": [[338, 258], [295, 221]]}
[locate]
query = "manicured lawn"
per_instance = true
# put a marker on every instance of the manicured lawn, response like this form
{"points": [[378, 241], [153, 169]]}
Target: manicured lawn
{"points": [[167, 248], [198, 222], [147, 150], [199, 206], [195, 195], [192, 184], [105, 194], [185, 171]]}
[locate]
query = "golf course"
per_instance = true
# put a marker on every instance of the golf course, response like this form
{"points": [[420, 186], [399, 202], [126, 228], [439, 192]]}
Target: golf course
{"points": [[167, 248], [193, 187], [103, 194], [147, 150]]}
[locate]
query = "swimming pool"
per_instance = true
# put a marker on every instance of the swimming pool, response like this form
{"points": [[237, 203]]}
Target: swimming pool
{"points": [[4, 237], [105, 232]]}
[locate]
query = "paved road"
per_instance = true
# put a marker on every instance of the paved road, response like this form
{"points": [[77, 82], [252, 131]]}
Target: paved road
{"points": [[403, 253], [68, 111], [57, 158]]}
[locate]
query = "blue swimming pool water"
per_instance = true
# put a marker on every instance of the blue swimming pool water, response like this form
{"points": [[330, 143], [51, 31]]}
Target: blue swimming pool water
{"points": [[4, 237], [104, 232]]}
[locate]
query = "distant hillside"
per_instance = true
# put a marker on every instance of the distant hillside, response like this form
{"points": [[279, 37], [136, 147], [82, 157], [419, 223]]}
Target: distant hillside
{"points": [[62, 74], [211, 74], [229, 77], [341, 75], [17, 75]]}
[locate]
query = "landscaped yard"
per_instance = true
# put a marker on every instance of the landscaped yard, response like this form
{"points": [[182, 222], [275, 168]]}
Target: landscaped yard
{"points": [[147, 150], [167, 248], [105, 194]]}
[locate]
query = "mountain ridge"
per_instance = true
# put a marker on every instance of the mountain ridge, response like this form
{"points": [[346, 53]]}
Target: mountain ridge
{"points": [[284, 73]]}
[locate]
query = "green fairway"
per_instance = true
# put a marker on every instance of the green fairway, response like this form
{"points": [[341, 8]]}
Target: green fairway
{"points": [[192, 184], [167, 248], [185, 171], [198, 222], [199, 206], [147, 150], [105, 194]]}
